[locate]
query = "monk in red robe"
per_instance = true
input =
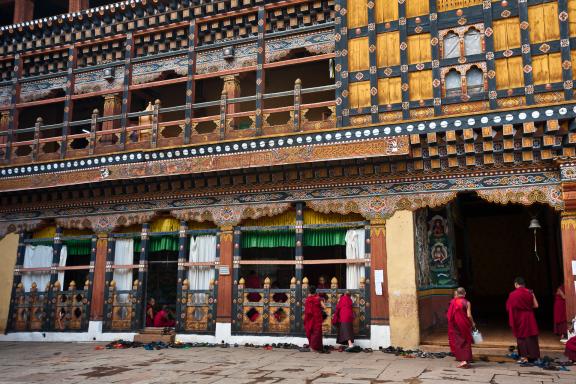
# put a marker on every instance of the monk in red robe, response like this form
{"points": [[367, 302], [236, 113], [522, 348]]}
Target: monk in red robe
{"points": [[460, 326], [560, 321], [313, 320], [150, 312], [520, 307], [343, 318], [162, 318]]}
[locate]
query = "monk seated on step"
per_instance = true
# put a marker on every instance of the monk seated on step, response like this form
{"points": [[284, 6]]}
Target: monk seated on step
{"points": [[164, 318], [570, 350]]}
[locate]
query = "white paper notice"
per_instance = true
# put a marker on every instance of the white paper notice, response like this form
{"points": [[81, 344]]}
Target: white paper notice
{"points": [[574, 267], [378, 281]]}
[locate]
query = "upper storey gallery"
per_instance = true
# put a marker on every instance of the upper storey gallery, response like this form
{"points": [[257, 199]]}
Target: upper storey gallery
{"points": [[154, 73]]}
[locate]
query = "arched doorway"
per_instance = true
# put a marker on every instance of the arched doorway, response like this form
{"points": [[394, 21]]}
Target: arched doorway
{"points": [[483, 246]]}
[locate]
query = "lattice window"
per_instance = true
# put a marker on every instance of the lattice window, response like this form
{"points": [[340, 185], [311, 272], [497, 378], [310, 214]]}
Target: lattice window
{"points": [[165, 41], [474, 81], [228, 29], [453, 83], [295, 16], [100, 53], [47, 63]]}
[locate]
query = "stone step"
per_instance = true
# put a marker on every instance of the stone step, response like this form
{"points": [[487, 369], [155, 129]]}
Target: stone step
{"points": [[152, 331]]}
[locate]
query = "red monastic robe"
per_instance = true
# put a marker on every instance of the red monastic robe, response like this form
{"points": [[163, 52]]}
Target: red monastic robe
{"points": [[520, 308], [560, 322], [344, 312], [161, 320], [459, 329], [149, 319], [570, 350], [313, 322]]}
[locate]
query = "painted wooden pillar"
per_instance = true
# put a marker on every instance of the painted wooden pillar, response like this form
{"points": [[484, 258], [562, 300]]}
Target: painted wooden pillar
{"points": [[190, 84], [380, 311], [227, 246], [139, 321], [4, 121], [23, 10], [17, 279], [568, 230], [232, 90], [260, 76], [526, 53], [489, 47], [565, 49], [68, 103], [182, 252], [296, 325], [341, 61], [77, 5], [112, 107], [14, 112], [99, 283], [128, 55]]}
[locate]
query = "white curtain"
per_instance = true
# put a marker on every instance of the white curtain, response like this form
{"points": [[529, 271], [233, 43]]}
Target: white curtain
{"points": [[451, 46], [62, 263], [202, 249], [37, 256], [355, 240], [123, 255], [472, 42]]}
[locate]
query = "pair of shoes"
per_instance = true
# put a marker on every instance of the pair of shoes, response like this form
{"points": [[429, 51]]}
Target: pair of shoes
{"points": [[353, 349], [304, 349]]}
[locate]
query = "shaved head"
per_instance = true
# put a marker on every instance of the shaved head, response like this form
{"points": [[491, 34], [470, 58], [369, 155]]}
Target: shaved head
{"points": [[461, 292]]}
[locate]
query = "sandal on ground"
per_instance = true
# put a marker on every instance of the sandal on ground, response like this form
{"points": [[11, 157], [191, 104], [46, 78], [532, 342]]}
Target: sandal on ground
{"points": [[463, 365]]}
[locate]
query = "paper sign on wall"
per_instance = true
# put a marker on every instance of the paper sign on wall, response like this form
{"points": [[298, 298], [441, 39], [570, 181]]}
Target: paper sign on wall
{"points": [[378, 281]]}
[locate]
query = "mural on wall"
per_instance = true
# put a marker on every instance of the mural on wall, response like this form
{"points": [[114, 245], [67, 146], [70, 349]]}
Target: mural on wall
{"points": [[435, 252]]}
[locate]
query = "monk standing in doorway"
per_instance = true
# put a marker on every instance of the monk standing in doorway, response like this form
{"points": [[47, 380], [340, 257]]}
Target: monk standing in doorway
{"points": [[560, 321], [313, 320], [520, 307], [460, 325]]}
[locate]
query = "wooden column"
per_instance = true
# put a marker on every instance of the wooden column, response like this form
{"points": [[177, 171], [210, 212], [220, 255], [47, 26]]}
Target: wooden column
{"points": [[568, 227], [99, 286], [224, 307], [378, 259], [4, 120], [112, 107], [182, 275], [232, 90], [77, 5], [23, 10]]}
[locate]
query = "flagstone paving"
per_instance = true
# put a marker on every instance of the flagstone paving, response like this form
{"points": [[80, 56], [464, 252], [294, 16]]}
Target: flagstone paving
{"points": [[83, 363]]}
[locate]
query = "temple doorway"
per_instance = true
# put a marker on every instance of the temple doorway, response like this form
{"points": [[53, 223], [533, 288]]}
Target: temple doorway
{"points": [[163, 278], [482, 247]]}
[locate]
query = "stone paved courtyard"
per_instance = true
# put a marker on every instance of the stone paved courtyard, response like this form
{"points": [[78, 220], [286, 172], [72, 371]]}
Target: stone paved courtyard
{"points": [[82, 363]]}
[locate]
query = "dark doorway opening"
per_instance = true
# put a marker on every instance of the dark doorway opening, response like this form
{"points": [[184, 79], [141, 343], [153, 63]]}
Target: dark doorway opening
{"points": [[314, 272], [162, 278]]}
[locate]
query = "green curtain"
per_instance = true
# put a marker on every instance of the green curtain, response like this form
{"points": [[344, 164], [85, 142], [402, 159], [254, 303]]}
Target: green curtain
{"points": [[164, 243], [268, 239], [324, 237], [78, 247], [158, 244]]}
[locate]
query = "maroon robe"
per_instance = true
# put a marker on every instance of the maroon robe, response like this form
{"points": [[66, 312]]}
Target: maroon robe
{"points": [[520, 308], [560, 322], [570, 350], [459, 329], [313, 322], [161, 320], [149, 319], [344, 319]]}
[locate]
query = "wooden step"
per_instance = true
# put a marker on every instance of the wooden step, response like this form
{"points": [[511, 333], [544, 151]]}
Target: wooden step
{"points": [[151, 338]]}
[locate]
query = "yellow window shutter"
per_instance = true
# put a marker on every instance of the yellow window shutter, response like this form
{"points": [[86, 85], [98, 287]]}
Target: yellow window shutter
{"points": [[395, 87], [551, 22], [515, 72], [357, 13], [358, 55], [359, 94], [386, 10], [383, 91], [536, 20], [502, 78], [555, 67], [572, 17]]}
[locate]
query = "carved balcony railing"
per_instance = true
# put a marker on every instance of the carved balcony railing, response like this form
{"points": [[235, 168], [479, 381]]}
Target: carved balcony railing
{"points": [[30, 308], [279, 311], [266, 310], [121, 308], [106, 134], [331, 296], [71, 308], [198, 309]]}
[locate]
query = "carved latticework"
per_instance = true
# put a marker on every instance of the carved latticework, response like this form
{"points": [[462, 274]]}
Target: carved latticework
{"points": [[331, 296], [265, 310], [198, 308], [71, 308], [121, 308], [29, 309]]}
